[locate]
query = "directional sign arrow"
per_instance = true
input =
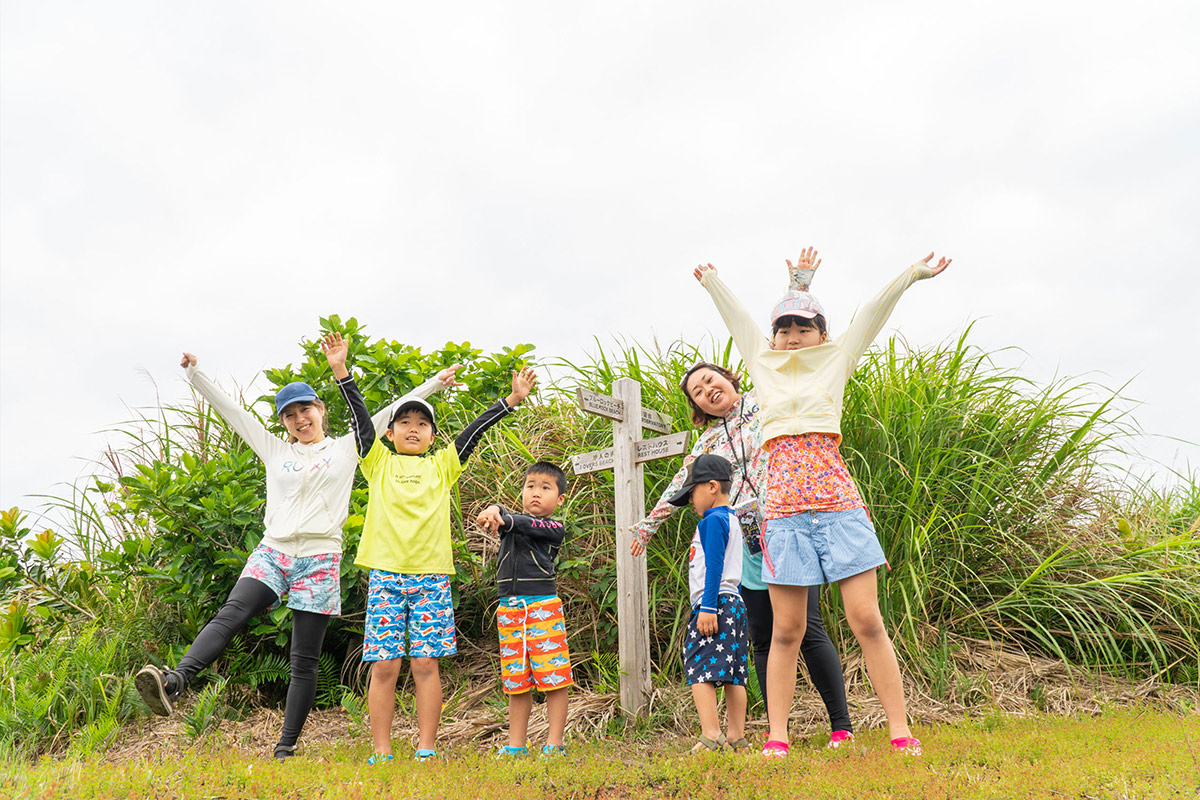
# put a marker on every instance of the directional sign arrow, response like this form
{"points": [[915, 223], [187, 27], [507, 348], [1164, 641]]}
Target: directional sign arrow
{"points": [[647, 450], [611, 407], [662, 447], [593, 461], [659, 423], [597, 403]]}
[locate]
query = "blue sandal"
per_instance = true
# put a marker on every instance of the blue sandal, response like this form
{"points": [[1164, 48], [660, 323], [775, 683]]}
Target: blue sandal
{"points": [[424, 755], [379, 758], [508, 750]]}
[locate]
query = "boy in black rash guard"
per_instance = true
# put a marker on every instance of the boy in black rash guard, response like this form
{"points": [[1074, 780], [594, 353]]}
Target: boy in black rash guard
{"points": [[533, 636]]}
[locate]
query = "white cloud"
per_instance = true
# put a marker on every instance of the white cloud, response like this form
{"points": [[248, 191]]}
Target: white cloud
{"points": [[216, 177]]}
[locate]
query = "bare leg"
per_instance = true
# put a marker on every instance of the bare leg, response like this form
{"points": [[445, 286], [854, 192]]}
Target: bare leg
{"points": [[705, 697], [428, 683], [519, 706], [860, 597], [789, 604], [824, 666], [556, 714], [735, 712], [381, 702]]}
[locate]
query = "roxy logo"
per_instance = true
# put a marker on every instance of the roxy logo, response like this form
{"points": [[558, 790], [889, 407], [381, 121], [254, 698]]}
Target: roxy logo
{"points": [[299, 466]]}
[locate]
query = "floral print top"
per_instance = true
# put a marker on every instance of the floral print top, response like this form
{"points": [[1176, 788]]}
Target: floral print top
{"points": [[807, 473]]}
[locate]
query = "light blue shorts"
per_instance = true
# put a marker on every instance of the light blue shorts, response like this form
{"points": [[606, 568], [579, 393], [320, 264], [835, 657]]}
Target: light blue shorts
{"points": [[818, 547]]}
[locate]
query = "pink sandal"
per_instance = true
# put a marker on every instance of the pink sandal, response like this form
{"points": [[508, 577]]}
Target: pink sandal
{"points": [[775, 748], [908, 745], [838, 738]]}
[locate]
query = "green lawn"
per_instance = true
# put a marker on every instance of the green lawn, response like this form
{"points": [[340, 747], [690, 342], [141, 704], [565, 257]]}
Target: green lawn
{"points": [[1122, 754]]}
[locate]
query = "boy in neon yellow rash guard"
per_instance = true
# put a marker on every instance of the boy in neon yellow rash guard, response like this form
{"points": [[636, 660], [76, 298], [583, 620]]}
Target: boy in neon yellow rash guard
{"points": [[406, 546]]}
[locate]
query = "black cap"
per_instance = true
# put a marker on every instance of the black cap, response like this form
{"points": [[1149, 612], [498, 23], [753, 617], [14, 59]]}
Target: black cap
{"points": [[708, 467]]}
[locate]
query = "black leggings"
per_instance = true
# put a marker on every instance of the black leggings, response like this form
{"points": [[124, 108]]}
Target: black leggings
{"points": [[820, 656], [249, 598]]}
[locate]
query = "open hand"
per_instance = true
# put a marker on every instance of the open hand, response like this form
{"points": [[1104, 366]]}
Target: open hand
{"points": [[449, 379], [523, 382], [943, 262], [801, 273], [706, 623], [188, 360], [489, 519], [336, 349], [807, 260], [703, 268]]}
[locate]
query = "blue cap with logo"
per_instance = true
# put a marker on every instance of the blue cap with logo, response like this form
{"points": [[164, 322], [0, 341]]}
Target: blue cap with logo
{"points": [[294, 392]]}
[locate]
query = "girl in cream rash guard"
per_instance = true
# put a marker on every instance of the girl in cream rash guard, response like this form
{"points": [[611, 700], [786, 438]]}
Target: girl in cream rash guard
{"points": [[308, 497], [816, 528], [736, 435]]}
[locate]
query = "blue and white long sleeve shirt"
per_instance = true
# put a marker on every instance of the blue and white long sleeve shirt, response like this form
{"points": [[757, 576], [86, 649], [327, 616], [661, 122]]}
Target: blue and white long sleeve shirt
{"points": [[715, 558]]}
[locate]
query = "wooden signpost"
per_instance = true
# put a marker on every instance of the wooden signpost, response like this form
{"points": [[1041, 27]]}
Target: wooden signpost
{"points": [[625, 459]]}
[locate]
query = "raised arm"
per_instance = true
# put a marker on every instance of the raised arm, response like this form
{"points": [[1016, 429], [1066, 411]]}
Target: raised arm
{"points": [[800, 274], [336, 349], [870, 318], [443, 380], [749, 339], [523, 382], [248, 426]]}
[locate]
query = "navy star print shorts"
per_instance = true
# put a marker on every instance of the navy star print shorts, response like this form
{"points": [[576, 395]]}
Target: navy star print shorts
{"points": [[720, 658]]}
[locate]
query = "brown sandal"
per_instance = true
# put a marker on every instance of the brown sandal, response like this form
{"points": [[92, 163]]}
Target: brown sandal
{"points": [[707, 745]]}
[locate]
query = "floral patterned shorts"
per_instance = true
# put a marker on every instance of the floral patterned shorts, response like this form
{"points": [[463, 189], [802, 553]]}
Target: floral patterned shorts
{"points": [[310, 583]]}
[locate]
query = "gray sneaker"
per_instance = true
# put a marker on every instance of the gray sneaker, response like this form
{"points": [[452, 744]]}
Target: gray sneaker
{"points": [[151, 684]]}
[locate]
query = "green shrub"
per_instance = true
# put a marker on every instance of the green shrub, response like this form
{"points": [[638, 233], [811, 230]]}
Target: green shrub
{"points": [[73, 687], [995, 499]]}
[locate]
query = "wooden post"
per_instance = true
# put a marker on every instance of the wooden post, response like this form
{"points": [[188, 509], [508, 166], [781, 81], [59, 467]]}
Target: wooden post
{"points": [[625, 459], [633, 624]]}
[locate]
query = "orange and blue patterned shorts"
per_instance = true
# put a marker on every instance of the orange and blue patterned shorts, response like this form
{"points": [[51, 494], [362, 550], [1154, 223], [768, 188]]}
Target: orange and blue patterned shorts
{"points": [[533, 644]]}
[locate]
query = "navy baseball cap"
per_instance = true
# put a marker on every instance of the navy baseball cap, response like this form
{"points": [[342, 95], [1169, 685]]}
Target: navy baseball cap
{"points": [[295, 392], [708, 467]]}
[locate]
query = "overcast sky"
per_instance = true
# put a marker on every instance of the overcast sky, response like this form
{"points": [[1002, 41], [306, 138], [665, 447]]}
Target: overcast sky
{"points": [[216, 176]]}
